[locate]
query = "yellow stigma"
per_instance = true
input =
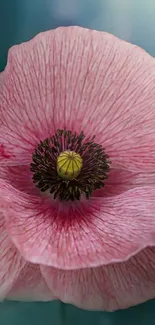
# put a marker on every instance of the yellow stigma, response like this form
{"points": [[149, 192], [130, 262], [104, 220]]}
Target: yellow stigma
{"points": [[69, 164]]}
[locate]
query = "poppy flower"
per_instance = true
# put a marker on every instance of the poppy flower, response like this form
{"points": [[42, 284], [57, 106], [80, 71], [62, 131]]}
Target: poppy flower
{"points": [[77, 170]]}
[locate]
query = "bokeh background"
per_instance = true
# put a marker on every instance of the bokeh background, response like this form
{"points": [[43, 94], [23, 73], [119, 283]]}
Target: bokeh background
{"points": [[20, 20]]}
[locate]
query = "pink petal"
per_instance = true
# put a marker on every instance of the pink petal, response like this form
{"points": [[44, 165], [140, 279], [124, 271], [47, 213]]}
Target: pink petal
{"points": [[1, 76], [30, 286], [110, 287], [19, 177], [119, 181], [10, 261], [16, 147], [89, 233], [108, 84]]}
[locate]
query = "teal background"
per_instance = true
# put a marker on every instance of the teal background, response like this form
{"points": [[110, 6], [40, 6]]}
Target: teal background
{"points": [[20, 20], [56, 313]]}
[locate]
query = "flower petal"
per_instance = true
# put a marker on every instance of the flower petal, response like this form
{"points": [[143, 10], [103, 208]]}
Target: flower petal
{"points": [[120, 180], [110, 287], [19, 177], [30, 286], [108, 84], [11, 263], [84, 234], [1, 76]]}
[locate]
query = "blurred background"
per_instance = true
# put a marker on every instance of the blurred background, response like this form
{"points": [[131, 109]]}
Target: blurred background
{"points": [[20, 20], [131, 20]]}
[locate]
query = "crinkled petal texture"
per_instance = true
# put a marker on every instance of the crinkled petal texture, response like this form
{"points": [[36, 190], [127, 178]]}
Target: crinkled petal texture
{"points": [[110, 287], [101, 231], [108, 84], [91, 81], [11, 263], [30, 286], [19, 280]]}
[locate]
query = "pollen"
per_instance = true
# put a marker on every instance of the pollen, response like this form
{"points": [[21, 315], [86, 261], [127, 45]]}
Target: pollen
{"points": [[69, 164]]}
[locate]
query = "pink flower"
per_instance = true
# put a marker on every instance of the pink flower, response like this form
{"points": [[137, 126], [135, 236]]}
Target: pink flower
{"points": [[86, 244]]}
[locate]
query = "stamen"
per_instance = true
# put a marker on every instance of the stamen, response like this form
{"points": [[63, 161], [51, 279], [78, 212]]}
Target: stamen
{"points": [[69, 165]]}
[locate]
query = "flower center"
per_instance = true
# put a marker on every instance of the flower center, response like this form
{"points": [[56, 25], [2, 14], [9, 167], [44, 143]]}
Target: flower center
{"points": [[69, 165]]}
